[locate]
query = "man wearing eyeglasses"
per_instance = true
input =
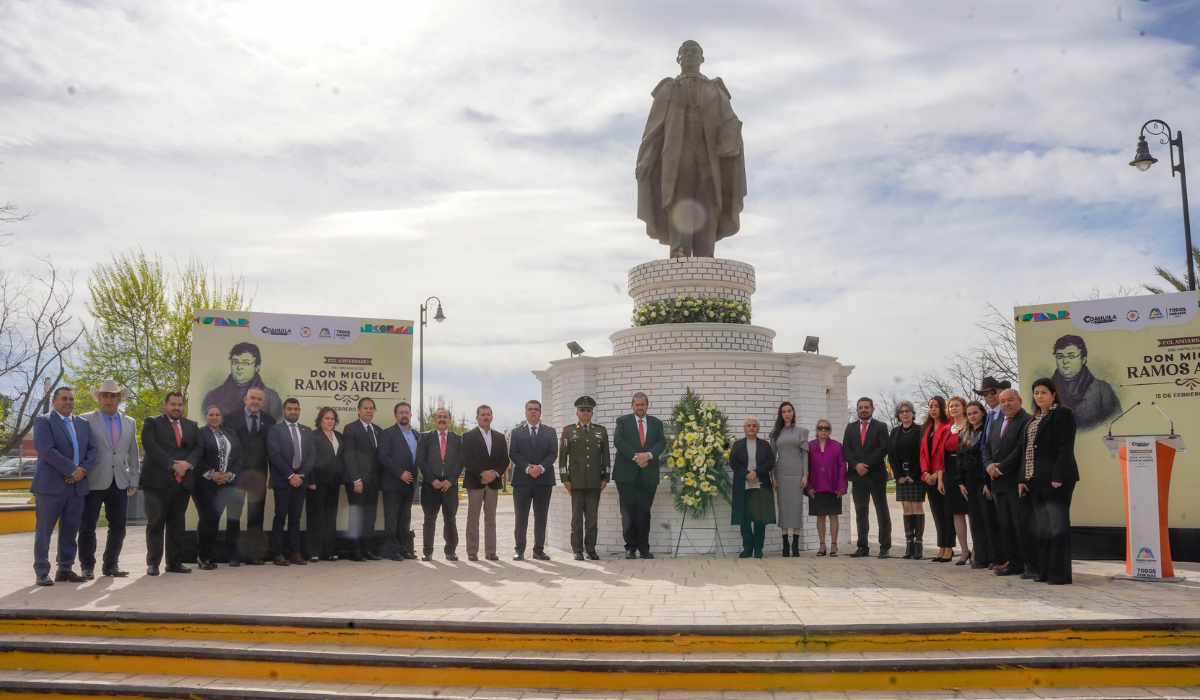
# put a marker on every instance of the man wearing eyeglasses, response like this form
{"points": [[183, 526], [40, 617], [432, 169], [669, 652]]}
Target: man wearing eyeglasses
{"points": [[245, 360], [1093, 400]]}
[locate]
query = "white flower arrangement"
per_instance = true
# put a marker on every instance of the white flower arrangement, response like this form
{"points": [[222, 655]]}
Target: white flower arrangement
{"points": [[687, 309], [697, 455]]}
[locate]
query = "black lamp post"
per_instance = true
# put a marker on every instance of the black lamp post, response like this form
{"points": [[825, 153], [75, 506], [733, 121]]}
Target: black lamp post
{"points": [[1143, 160], [439, 317]]}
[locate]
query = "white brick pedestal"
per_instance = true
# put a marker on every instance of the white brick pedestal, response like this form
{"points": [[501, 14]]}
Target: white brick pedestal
{"points": [[732, 365]]}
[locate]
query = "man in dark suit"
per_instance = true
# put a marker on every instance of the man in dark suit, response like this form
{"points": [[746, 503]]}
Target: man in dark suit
{"points": [[640, 441], [485, 462], [533, 449], [65, 455], [360, 459], [171, 444], [398, 466], [291, 454], [1005, 463], [865, 445], [251, 424], [439, 457]]}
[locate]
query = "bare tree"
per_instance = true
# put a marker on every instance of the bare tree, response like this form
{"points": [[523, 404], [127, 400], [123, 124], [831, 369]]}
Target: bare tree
{"points": [[994, 354], [37, 331]]}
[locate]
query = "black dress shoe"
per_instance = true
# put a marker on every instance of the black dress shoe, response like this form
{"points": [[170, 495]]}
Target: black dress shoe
{"points": [[411, 555], [746, 554], [207, 565], [978, 565], [152, 570], [860, 552], [451, 557], [631, 555], [117, 572], [426, 557], [356, 557], [578, 556], [472, 557], [178, 569], [68, 576], [541, 556], [371, 556], [254, 561], [235, 562], [44, 580], [89, 574], [518, 557], [647, 555], [396, 557], [1029, 575], [492, 557], [593, 556], [884, 553], [1006, 571]]}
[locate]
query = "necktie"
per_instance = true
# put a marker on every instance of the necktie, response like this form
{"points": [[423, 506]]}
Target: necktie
{"points": [[1004, 427], [295, 447], [374, 441], [642, 430], [178, 433], [74, 440], [253, 425], [862, 437], [533, 434], [114, 434], [443, 436]]}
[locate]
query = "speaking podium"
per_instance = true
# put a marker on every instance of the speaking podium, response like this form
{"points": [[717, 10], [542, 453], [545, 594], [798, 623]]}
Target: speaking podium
{"points": [[1146, 462]]}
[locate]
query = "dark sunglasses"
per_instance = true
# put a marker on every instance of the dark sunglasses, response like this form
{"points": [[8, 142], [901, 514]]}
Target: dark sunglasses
{"points": [[824, 427]]}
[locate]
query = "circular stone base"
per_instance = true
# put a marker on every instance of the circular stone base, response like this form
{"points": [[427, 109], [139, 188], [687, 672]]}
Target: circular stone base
{"points": [[667, 279], [690, 337]]}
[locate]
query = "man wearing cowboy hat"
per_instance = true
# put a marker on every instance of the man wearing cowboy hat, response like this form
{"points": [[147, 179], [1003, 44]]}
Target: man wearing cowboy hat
{"points": [[113, 479], [990, 390]]}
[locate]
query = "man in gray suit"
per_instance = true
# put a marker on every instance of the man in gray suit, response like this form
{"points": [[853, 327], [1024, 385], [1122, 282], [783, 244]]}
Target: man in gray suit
{"points": [[440, 462], [533, 451], [113, 479]]}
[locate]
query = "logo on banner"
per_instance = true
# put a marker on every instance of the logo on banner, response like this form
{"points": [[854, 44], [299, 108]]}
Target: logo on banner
{"points": [[1177, 311], [1132, 316], [1108, 318], [1144, 554], [267, 330], [324, 333], [305, 332], [1155, 314]]}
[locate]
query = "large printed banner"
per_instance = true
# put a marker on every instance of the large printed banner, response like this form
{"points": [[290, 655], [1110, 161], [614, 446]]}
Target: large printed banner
{"points": [[319, 360], [1105, 356]]}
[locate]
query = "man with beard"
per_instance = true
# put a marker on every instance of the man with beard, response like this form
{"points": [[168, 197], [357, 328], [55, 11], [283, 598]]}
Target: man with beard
{"points": [[245, 359], [398, 468], [1093, 400]]}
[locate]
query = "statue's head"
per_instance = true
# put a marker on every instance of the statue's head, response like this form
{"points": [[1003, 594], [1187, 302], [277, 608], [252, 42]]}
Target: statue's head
{"points": [[690, 56]]}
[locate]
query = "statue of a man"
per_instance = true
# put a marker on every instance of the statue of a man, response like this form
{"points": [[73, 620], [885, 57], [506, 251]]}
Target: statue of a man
{"points": [[691, 171]]}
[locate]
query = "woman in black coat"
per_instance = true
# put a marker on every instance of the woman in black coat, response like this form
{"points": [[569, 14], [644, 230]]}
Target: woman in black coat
{"points": [[324, 489], [213, 491], [1049, 475], [753, 500], [904, 457]]}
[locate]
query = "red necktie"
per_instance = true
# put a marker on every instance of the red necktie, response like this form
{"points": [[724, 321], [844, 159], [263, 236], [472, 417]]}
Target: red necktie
{"points": [[443, 445], [1004, 427], [862, 438], [178, 443], [642, 431]]}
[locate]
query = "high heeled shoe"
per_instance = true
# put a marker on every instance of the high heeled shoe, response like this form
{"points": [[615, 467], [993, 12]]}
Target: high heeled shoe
{"points": [[964, 562]]}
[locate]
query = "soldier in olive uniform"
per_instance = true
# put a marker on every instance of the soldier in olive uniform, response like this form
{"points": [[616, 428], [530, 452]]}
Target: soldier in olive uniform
{"points": [[583, 464]]}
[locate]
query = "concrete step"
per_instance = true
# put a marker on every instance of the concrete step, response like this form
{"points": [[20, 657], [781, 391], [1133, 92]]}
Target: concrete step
{"points": [[40, 684], [575, 669]]}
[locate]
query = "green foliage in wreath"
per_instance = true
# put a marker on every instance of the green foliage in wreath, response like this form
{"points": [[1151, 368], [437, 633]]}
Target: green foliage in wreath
{"points": [[697, 455], [702, 309]]}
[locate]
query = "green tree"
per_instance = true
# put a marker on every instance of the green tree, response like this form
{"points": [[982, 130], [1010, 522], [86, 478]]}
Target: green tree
{"points": [[1179, 283], [433, 403], [140, 334]]}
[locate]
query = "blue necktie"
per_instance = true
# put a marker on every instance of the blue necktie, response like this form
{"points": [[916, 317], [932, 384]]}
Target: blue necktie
{"points": [[74, 440]]}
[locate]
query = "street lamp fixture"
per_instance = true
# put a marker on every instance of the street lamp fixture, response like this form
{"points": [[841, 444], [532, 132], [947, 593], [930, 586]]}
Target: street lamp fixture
{"points": [[439, 317], [1142, 160]]}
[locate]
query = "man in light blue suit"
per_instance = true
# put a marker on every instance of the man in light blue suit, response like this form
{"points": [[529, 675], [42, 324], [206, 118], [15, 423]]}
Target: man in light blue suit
{"points": [[66, 452]]}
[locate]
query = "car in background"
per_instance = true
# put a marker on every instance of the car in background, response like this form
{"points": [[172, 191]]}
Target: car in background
{"points": [[17, 467]]}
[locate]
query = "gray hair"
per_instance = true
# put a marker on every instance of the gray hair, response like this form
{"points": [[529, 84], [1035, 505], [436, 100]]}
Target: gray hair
{"points": [[903, 405], [825, 421], [641, 395], [1013, 389]]}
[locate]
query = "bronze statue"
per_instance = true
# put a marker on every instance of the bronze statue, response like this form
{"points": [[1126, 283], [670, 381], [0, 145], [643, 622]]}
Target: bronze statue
{"points": [[691, 171]]}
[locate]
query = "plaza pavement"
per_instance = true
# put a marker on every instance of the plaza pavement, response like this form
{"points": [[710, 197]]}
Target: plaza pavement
{"points": [[683, 591]]}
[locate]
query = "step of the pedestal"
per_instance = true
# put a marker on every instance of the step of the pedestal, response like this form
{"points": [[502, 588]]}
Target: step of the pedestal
{"points": [[1065, 666], [40, 684]]}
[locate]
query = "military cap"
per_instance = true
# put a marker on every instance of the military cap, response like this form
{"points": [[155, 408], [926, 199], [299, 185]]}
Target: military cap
{"points": [[585, 402]]}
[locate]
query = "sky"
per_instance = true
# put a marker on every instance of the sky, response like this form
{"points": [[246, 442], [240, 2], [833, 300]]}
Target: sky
{"points": [[907, 163]]}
